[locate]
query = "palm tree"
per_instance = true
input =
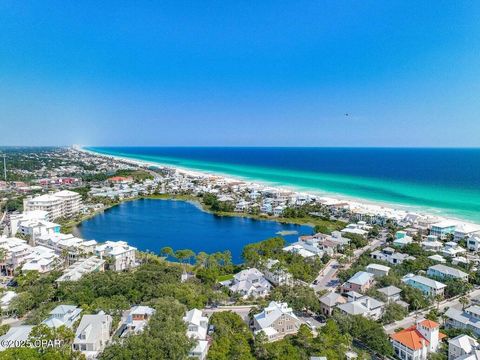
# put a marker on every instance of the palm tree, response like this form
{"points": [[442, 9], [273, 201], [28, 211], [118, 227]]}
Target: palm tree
{"points": [[464, 300]]}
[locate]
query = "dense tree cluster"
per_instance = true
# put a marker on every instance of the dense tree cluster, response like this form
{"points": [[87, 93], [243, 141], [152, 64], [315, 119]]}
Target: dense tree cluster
{"points": [[256, 255]]}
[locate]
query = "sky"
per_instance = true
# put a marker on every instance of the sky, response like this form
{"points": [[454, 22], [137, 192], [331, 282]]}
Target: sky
{"points": [[240, 73]]}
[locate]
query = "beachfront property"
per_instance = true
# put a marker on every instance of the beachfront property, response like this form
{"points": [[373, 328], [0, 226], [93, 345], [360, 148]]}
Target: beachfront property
{"points": [[135, 320], [463, 347], [249, 283], [365, 306], [377, 270], [120, 255], [93, 334], [464, 319], [63, 315], [276, 321], [416, 342], [73, 246], [389, 255], [463, 231], [64, 203], [446, 272], [443, 228], [84, 266], [427, 286], [330, 301], [360, 282], [197, 326]]}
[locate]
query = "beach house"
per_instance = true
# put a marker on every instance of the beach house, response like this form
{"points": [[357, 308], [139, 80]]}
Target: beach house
{"points": [[443, 228], [377, 270], [93, 334], [428, 286], [197, 326], [136, 320], [249, 282], [329, 301], [464, 319], [446, 272], [463, 347], [365, 306], [63, 315], [121, 255]]}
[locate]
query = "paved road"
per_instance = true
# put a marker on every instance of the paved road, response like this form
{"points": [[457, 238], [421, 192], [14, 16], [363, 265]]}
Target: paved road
{"points": [[410, 320], [327, 278]]}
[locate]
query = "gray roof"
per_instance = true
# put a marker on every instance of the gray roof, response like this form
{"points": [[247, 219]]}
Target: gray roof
{"points": [[332, 299], [390, 290], [448, 271]]}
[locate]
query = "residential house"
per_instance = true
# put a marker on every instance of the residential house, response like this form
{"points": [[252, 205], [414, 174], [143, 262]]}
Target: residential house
{"points": [[463, 231], [432, 243], [136, 320], [329, 301], [402, 239], [389, 255], [120, 255], [463, 347], [446, 272], [452, 249], [249, 282], [464, 319], [277, 276], [416, 342], [41, 259], [392, 293], [443, 228], [197, 326], [438, 258], [428, 286], [93, 334], [360, 228], [377, 270], [473, 242], [308, 247], [63, 315], [16, 252], [360, 282], [85, 266], [277, 320], [14, 336], [365, 306]]}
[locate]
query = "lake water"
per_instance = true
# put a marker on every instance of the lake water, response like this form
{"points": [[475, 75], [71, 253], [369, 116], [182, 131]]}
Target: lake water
{"points": [[151, 224]]}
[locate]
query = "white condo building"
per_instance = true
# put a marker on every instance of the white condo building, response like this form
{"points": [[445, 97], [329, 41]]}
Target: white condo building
{"points": [[60, 204]]}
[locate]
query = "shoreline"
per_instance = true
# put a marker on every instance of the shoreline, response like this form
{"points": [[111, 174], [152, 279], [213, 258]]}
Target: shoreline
{"points": [[365, 205]]}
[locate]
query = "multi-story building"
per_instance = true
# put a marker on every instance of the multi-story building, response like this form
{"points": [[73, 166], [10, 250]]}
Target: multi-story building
{"points": [[122, 255], [464, 319], [61, 204], [93, 334], [428, 286], [416, 342], [443, 228], [276, 321], [463, 347], [197, 326], [446, 272], [365, 306], [360, 282]]}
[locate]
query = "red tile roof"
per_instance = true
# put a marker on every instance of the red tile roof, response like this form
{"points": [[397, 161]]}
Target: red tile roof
{"points": [[411, 338], [429, 324]]}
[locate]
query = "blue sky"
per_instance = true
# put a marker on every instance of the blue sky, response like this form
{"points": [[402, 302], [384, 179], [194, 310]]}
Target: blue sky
{"points": [[260, 73]]}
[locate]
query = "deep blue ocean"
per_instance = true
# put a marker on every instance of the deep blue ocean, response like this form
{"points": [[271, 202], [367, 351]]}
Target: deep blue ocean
{"points": [[150, 224], [443, 181]]}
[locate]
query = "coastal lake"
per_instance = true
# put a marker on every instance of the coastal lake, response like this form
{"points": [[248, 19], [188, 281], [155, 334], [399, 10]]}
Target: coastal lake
{"points": [[150, 224]]}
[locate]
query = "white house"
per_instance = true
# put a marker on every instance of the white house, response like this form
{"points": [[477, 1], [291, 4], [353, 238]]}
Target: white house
{"points": [[197, 326], [365, 306], [463, 231], [416, 342], [463, 347], [377, 270], [136, 320], [85, 266], [249, 282], [121, 254], [93, 334], [276, 275], [473, 242], [392, 293], [452, 249], [63, 315], [41, 259], [432, 243]]}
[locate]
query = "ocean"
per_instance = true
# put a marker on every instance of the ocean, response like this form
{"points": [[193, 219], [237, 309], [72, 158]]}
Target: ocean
{"points": [[439, 181], [150, 224]]}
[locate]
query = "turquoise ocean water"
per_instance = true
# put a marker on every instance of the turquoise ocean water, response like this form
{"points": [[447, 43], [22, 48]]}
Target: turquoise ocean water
{"points": [[439, 181]]}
